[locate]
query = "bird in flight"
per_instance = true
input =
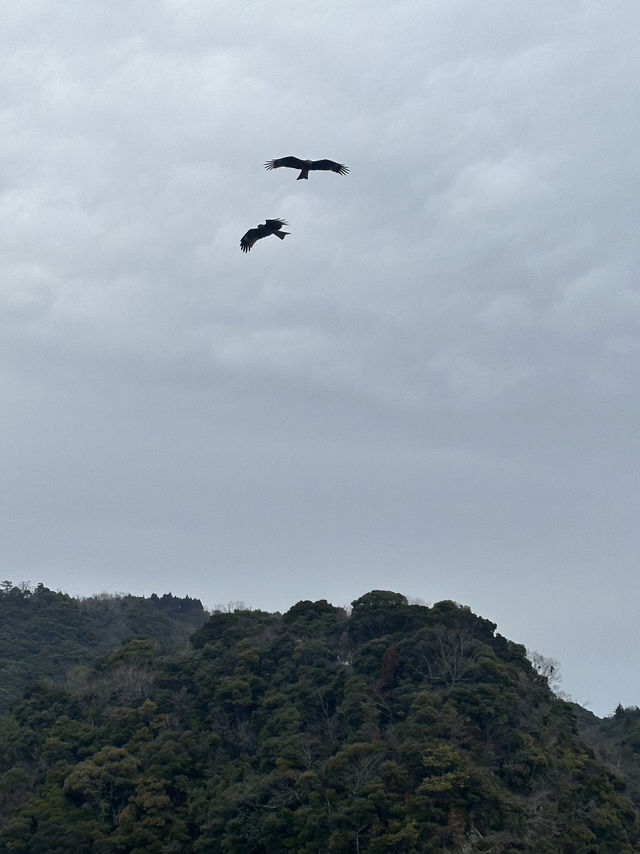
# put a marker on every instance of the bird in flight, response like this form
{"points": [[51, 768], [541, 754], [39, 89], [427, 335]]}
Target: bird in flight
{"points": [[307, 166], [271, 226]]}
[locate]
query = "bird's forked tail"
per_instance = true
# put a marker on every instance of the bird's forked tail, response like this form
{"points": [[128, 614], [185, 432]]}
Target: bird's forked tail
{"points": [[281, 234]]}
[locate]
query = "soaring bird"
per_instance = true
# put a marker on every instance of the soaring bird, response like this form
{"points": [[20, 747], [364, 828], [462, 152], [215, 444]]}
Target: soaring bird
{"points": [[307, 166], [271, 226]]}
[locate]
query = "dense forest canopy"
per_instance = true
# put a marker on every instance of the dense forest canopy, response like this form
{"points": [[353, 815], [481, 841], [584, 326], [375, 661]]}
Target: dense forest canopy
{"points": [[394, 727], [43, 633]]}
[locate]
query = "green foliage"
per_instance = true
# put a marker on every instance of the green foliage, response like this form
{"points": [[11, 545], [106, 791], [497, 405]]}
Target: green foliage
{"points": [[44, 634], [397, 729], [616, 742]]}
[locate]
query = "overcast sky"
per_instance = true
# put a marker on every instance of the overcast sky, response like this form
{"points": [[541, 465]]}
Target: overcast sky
{"points": [[431, 386]]}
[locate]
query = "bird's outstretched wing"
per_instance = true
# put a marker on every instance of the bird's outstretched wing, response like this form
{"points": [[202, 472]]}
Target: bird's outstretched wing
{"points": [[272, 225], [292, 162], [329, 166], [250, 238]]}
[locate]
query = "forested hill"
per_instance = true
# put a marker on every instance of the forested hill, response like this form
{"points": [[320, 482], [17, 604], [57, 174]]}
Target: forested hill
{"points": [[394, 729], [43, 634]]}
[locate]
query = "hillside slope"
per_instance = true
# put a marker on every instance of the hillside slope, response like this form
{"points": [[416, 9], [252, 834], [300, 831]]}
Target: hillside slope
{"points": [[44, 633]]}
